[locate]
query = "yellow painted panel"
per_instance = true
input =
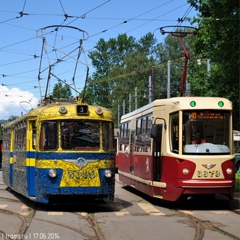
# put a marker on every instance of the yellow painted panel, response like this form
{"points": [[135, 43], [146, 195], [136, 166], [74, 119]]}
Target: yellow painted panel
{"points": [[30, 162], [75, 176]]}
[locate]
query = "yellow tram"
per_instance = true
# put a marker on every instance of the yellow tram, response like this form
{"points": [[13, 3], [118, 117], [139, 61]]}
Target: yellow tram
{"points": [[60, 148]]}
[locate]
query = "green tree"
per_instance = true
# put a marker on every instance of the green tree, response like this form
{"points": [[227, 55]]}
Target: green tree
{"points": [[121, 65], [125, 63], [106, 56], [1, 130], [60, 91], [218, 40]]}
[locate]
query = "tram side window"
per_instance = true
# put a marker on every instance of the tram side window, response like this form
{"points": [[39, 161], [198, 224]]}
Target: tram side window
{"points": [[20, 137], [124, 136], [148, 132], [6, 140], [34, 133], [49, 135], [174, 118], [143, 138], [107, 129]]}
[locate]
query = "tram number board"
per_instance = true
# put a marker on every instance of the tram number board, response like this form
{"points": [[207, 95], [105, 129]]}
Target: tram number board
{"points": [[82, 109], [207, 115]]}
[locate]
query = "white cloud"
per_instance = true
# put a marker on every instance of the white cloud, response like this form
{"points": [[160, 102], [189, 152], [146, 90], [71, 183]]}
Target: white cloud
{"points": [[15, 102]]}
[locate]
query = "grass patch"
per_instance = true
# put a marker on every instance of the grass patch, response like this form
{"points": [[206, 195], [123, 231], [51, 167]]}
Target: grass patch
{"points": [[237, 182]]}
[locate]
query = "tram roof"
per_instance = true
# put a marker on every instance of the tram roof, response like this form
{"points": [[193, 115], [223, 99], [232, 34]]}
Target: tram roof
{"points": [[177, 103], [51, 111]]}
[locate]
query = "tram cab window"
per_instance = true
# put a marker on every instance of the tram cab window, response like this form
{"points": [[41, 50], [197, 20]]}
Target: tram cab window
{"points": [[206, 132], [80, 135], [124, 136], [49, 135], [34, 131], [174, 118], [108, 141]]}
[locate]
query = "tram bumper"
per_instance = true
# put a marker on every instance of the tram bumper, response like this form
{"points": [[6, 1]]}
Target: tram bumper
{"points": [[196, 186]]}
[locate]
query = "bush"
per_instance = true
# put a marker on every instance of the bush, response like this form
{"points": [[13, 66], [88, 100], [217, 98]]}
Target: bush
{"points": [[237, 182]]}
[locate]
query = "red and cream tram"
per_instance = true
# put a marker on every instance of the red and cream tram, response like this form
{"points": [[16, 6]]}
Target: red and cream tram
{"points": [[178, 146]]}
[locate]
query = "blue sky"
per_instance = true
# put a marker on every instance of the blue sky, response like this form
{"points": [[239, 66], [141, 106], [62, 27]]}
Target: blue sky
{"points": [[23, 25]]}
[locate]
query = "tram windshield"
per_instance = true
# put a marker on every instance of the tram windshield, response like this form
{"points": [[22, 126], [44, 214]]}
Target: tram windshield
{"points": [[80, 134], [203, 132], [76, 135]]}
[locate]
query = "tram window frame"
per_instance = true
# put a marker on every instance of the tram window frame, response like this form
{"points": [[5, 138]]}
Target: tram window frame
{"points": [[213, 126], [49, 135], [108, 136], [149, 125], [74, 135], [124, 136], [138, 127], [34, 134], [20, 136], [7, 139], [143, 136], [174, 123], [127, 130]]}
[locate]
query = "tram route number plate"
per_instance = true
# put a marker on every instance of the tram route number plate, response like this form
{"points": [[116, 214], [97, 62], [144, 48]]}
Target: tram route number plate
{"points": [[82, 109]]}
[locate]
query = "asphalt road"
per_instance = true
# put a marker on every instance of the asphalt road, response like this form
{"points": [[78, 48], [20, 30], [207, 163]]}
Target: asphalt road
{"points": [[132, 215]]}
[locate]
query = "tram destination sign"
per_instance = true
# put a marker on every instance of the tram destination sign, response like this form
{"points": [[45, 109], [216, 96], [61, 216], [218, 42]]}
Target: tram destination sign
{"points": [[206, 115]]}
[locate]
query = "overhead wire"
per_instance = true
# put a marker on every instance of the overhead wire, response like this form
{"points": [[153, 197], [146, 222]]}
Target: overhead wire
{"points": [[126, 21], [136, 18]]}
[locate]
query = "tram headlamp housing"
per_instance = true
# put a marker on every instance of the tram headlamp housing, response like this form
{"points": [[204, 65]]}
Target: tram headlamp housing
{"points": [[63, 110], [229, 171], [185, 171], [52, 173], [108, 173], [99, 111]]}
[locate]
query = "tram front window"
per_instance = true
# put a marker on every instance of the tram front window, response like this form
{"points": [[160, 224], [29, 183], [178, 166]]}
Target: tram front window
{"points": [[80, 135], [49, 136], [206, 132]]}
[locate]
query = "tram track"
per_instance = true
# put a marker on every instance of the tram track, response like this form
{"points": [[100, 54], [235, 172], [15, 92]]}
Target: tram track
{"points": [[25, 227], [69, 228], [202, 225], [31, 209], [25, 223], [83, 221], [25, 217]]}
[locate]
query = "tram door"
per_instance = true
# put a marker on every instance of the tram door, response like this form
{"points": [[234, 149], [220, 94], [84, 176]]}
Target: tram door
{"points": [[156, 134], [31, 158], [131, 149], [12, 158]]}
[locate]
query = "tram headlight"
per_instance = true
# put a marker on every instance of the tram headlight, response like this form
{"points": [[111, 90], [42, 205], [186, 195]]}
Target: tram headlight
{"points": [[52, 173], [63, 110], [185, 171], [229, 171], [99, 111], [108, 173]]}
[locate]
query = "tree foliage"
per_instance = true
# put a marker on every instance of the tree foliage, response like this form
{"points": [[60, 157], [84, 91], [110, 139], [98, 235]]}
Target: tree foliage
{"points": [[218, 40], [60, 91], [123, 65]]}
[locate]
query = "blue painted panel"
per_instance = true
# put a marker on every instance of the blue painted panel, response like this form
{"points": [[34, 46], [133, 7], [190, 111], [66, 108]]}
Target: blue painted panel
{"points": [[65, 155], [31, 181], [11, 175]]}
